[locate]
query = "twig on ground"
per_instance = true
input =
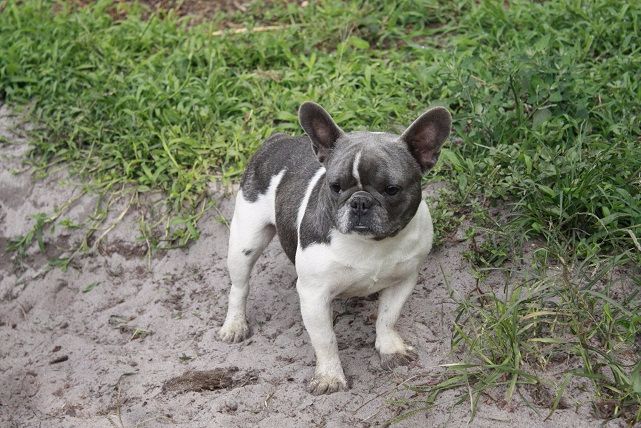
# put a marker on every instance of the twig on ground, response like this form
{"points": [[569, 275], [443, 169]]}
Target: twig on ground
{"points": [[259, 29]]}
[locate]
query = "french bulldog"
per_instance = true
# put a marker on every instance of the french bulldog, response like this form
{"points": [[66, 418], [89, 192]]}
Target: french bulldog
{"points": [[348, 210]]}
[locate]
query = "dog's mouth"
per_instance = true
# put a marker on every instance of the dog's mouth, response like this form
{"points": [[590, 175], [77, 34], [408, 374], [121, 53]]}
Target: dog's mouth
{"points": [[361, 228]]}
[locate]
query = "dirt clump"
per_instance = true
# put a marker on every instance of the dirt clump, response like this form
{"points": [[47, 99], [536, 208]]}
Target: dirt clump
{"points": [[209, 380]]}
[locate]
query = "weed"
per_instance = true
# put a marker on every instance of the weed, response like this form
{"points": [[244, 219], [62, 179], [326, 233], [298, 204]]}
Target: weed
{"points": [[90, 287], [21, 244]]}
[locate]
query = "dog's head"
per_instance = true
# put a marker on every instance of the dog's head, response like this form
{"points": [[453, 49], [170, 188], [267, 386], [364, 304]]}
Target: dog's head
{"points": [[373, 179]]}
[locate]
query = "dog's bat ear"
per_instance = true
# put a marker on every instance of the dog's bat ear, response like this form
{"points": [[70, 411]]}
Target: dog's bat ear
{"points": [[320, 128], [426, 135]]}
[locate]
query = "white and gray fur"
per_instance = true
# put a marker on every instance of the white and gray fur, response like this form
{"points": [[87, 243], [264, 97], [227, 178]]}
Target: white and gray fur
{"points": [[348, 211]]}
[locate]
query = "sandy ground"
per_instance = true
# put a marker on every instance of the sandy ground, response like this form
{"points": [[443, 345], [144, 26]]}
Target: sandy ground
{"points": [[116, 355]]}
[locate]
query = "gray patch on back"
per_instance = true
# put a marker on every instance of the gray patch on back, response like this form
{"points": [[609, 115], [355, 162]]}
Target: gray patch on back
{"points": [[268, 161], [296, 157]]}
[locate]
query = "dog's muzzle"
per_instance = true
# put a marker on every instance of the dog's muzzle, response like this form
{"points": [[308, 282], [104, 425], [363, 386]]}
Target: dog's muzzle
{"points": [[360, 205]]}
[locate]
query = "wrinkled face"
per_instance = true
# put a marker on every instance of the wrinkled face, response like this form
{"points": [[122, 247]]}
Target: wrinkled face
{"points": [[372, 184], [372, 180]]}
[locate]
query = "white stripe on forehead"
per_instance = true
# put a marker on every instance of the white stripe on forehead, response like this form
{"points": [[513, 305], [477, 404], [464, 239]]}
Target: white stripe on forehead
{"points": [[357, 161]]}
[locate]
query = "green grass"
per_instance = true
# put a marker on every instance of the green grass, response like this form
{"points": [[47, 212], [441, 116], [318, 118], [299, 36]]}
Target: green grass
{"points": [[545, 98], [510, 336]]}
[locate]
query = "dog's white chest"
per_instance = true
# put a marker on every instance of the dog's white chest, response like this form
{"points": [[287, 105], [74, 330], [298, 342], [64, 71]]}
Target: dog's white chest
{"points": [[356, 266], [368, 276]]}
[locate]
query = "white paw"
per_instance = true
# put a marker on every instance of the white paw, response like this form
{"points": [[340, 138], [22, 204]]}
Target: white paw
{"points": [[234, 331], [326, 384], [390, 342]]}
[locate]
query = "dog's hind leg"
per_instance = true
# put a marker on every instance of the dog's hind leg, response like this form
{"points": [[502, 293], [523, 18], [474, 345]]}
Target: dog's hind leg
{"points": [[251, 231]]}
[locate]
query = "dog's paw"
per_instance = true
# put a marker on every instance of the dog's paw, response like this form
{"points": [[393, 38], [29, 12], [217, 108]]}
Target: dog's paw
{"points": [[390, 361], [234, 331], [326, 384]]}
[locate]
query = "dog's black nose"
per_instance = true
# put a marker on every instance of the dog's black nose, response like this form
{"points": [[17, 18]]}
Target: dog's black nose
{"points": [[360, 203]]}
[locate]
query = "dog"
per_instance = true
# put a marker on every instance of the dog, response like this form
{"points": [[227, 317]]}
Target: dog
{"points": [[348, 210]]}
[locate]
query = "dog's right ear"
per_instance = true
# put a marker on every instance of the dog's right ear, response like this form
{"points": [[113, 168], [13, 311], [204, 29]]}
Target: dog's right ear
{"points": [[320, 128]]}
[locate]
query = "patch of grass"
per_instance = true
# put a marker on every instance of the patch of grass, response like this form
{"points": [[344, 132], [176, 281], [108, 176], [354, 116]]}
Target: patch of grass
{"points": [[21, 244], [545, 104], [447, 213], [507, 338]]}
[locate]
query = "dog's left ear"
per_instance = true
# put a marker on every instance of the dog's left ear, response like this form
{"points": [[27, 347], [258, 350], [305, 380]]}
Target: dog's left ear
{"points": [[426, 135], [320, 128]]}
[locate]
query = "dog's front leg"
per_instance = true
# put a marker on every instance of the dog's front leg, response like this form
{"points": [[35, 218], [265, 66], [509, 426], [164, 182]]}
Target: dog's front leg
{"points": [[315, 304], [391, 347]]}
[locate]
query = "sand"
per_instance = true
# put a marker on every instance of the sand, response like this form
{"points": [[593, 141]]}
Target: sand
{"points": [[118, 340]]}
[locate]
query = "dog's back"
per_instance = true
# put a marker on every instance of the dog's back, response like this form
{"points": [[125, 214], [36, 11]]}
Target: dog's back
{"points": [[294, 159]]}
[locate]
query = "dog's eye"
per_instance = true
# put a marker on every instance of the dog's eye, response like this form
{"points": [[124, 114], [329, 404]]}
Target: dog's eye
{"points": [[336, 188], [392, 190]]}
